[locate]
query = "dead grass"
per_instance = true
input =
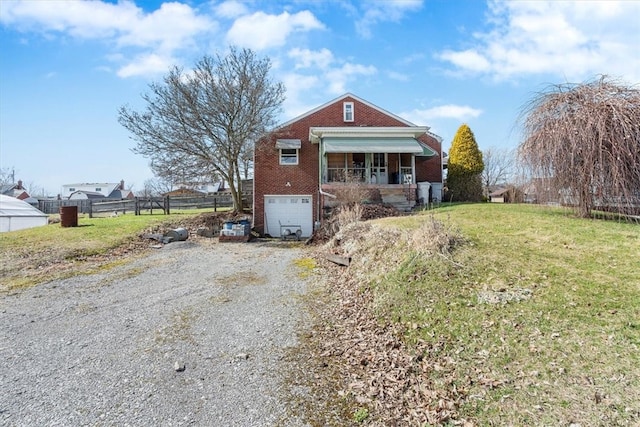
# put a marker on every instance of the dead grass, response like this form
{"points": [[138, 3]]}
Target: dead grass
{"points": [[36, 255]]}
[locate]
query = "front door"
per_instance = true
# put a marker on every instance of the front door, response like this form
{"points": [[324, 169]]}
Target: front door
{"points": [[379, 169]]}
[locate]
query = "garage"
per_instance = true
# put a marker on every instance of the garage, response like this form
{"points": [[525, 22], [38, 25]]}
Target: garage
{"points": [[292, 212]]}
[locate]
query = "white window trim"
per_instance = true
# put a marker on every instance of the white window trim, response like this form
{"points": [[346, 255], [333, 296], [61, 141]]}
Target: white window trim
{"points": [[344, 111], [289, 163]]}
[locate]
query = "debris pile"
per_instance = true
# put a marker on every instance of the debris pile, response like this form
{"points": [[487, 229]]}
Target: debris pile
{"points": [[205, 225], [355, 212]]}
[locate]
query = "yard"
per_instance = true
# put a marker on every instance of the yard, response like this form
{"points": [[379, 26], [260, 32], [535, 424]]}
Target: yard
{"points": [[521, 315], [32, 256]]}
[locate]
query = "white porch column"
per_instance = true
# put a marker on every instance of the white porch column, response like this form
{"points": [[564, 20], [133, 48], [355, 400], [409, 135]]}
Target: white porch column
{"points": [[413, 168]]}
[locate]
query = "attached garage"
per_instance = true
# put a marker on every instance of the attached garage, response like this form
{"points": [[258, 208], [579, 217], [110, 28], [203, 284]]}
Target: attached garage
{"points": [[288, 212], [16, 215]]}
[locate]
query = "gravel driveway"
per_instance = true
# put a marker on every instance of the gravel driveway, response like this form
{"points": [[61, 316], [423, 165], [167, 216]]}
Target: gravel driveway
{"points": [[193, 334]]}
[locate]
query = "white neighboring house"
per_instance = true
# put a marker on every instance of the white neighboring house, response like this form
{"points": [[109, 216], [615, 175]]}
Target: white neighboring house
{"points": [[97, 190], [17, 215]]}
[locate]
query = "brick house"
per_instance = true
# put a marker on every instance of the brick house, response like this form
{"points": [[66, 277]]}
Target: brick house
{"points": [[305, 162]]}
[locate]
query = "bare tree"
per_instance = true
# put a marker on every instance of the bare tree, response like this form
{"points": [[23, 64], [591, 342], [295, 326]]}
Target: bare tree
{"points": [[7, 176], [155, 187], [246, 162], [34, 190], [200, 122], [499, 164], [585, 139]]}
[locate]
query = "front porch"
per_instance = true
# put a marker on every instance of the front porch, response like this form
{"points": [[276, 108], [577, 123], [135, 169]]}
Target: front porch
{"points": [[369, 168], [370, 164]]}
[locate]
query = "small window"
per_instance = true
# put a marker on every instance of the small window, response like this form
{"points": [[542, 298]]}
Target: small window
{"points": [[288, 156], [71, 189], [348, 111], [98, 189]]}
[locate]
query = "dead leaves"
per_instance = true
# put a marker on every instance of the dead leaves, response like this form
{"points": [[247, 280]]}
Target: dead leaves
{"points": [[400, 385]]}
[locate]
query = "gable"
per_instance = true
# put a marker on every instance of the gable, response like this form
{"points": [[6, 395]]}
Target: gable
{"points": [[332, 114]]}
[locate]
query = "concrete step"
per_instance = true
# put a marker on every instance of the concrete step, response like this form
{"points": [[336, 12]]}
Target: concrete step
{"points": [[393, 198]]}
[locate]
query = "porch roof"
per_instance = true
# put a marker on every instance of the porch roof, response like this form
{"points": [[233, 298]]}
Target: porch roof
{"points": [[426, 150], [372, 145]]}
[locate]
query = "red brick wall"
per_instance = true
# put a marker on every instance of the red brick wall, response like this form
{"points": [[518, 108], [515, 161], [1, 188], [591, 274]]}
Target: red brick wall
{"points": [[271, 178], [429, 168]]}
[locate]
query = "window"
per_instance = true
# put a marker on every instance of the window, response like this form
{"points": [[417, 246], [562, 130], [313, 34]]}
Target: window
{"points": [[348, 111], [71, 189], [288, 156], [98, 189]]}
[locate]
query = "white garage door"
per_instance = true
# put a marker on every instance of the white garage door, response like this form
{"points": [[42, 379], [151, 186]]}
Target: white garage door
{"points": [[288, 210]]}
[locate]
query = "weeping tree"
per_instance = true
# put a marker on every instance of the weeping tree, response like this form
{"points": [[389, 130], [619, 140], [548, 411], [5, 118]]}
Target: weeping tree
{"points": [[201, 123], [465, 166], [585, 140]]}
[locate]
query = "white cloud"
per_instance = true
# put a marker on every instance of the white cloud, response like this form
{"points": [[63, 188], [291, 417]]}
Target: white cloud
{"points": [[149, 64], [297, 86], [467, 59], [408, 60], [377, 11], [171, 27], [574, 40], [156, 35], [337, 78], [320, 71], [261, 31], [460, 113], [394, 75], [231, 9], [306, 58], [79, 19]]}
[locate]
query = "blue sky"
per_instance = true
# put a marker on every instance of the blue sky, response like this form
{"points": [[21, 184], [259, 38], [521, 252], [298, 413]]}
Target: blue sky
{"points": [[67, 66]]}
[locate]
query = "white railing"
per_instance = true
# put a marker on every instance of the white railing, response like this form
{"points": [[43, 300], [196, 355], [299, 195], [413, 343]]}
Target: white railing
{"points": [[346, 174]]}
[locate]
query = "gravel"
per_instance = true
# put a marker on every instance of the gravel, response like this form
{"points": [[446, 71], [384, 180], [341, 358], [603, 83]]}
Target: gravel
{"points": [[194, 334]]}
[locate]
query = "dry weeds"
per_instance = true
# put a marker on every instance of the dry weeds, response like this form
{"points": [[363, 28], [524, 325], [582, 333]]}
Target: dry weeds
{"points": [[362, 366]]}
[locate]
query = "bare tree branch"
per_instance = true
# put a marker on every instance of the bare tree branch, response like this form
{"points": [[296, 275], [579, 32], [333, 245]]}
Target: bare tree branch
{"points": [[499, 165], [201, 123]]}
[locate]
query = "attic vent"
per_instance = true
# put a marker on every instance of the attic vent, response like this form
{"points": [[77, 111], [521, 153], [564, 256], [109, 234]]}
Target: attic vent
{"points": [[348, 111]]}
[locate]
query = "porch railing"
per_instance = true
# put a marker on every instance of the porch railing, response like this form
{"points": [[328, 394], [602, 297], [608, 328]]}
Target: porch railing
{"points": [[360, 175], [346, 174], [406, 176]]}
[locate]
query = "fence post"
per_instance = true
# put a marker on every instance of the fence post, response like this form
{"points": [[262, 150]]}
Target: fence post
{"points": [[90, 208], [167, 205]]}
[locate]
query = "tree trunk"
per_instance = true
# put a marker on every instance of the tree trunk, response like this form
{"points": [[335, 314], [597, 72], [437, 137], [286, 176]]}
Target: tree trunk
{"points": [[239, 190]]}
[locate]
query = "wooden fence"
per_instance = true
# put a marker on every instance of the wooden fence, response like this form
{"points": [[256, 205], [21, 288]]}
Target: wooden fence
{"points": [[143, 205]]}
